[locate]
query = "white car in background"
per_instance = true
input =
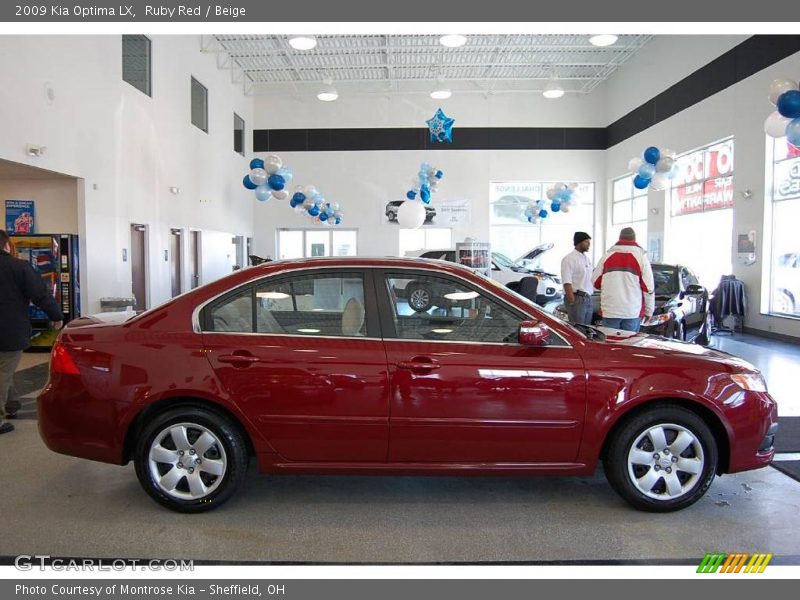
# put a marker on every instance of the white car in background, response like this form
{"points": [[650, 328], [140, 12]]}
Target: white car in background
{"points": [[506, 271]]}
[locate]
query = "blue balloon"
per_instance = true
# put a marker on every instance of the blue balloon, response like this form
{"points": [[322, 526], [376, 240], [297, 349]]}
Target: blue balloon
{"points": [[276, 182], [543, 214], [647, 171], [640, 182], [425, 194], [555, 206], [337, 221], [569, 195], [313, 211], [411, 194], [528, 212], [263, 193], [329, 211], [286, 173], [439, 174], [793, 132], [256, 163], [652, 154], [248, 184], [789, 104], [323, 216], [299, 197]]}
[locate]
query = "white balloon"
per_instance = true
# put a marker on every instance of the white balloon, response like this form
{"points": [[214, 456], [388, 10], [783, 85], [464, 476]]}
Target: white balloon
{"points": [[311, 191], [411, 214], [634, 164], [258, 176], [565, 207], [280, 194], [573, 186], [298, 189], [550, 193], [774, 126], [272, 163], [779, 86], [659, 182], [664, 164], [308, 203], [560, 186]]}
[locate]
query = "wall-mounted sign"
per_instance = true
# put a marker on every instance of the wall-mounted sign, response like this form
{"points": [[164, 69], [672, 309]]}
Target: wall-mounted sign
{"points": [[704, 180], [454, 212], [20, 216]]}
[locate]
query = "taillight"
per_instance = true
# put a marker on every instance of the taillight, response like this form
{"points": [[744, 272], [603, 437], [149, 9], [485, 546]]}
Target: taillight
{"points": [[61, 361]]}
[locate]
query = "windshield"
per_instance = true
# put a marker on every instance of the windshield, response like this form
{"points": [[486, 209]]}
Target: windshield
{"points": [[504, 261], [665, 278]]}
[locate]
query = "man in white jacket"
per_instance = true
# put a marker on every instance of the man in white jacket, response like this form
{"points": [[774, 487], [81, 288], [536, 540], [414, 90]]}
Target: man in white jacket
{"points": [[625, 280]]}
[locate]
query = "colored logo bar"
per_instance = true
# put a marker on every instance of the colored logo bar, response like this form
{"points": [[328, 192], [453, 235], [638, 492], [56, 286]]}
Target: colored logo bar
{"points": [[740, 562]]}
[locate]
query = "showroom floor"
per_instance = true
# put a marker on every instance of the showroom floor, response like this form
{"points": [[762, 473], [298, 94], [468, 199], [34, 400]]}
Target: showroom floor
{"points": [[70, 507]]}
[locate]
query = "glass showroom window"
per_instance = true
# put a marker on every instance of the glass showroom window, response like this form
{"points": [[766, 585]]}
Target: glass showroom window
{"points": [[512, 235], [136, 63], [700, 230], [785, 288], [628, 209], [238, 134], [414, 240], [307, 243]]}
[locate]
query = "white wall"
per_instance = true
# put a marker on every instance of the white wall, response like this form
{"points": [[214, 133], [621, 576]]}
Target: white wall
{"points": [[363, 182], [126, 147], [739, 111], [56, 201], [663, 62]]}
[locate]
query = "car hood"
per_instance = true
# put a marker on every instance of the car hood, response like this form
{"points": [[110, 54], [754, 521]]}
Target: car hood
{"points": [[535, 252], [644, 341]]}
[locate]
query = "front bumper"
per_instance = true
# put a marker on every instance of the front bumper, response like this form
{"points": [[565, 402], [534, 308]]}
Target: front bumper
{"points": [[753, 422]]}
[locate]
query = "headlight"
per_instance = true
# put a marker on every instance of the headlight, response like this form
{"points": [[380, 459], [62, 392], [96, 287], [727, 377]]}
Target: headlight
{"points": [[753, 382], [657, 320]]}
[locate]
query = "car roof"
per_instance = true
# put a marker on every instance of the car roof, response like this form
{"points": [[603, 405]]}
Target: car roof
{"points": [[359, 261]]}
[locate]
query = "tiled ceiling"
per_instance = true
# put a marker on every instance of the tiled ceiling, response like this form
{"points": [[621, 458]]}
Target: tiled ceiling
{"points": [[267, 64]]}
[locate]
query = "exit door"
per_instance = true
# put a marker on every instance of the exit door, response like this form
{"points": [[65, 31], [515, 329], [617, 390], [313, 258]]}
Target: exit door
{"points": [[194, 259]]}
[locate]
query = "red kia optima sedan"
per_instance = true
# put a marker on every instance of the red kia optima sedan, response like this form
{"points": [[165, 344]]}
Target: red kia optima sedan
{"points": [[321, 366]]}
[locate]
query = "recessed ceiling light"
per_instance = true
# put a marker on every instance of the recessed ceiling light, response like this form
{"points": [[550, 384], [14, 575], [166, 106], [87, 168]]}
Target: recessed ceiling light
{"points": [[603, 39], [303, 42], [553, 90], [453, 41], [441, 93], [328, 93]]}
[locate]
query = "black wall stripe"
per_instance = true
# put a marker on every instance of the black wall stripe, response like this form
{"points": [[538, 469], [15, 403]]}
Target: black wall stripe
{"points": [[749, 57]]}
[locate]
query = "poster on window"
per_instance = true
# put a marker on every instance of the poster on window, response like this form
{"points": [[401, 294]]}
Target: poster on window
{"points": [[454, 212], [509, 199], [787, 179], [704, 180], [20, 216]]}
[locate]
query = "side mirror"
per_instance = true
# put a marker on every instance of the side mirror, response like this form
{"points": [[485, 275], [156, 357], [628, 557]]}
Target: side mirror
{"points": [[695, 290], [533, 333]]}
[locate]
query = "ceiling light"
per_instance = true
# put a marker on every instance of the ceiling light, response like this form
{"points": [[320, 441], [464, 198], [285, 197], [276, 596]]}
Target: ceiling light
{"points": [[603, 39], [553, 89], [461, 295], [441, 93], [272, 295], [327, 93], [303, 42], [453, 41], [442, 331], [307, 331]]}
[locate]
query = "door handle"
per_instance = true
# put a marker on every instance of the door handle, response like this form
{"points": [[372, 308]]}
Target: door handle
{"points": [[419, 363], [238, 358]]}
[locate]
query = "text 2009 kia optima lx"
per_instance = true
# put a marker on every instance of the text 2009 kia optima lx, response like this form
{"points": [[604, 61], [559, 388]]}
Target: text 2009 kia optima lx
{"points": [[321, 366]]}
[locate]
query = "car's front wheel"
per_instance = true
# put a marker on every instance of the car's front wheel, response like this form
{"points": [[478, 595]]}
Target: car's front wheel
{"points": [[191, 459], [661, 460]]}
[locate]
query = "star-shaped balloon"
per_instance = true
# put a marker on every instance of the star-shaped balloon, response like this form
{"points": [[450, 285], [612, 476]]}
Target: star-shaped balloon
{"points": [[441, 127]]}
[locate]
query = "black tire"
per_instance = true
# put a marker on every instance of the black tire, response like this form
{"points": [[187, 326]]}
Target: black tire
{"points": [[419, 297], [680, 331], [228, 454], [629, 480]]}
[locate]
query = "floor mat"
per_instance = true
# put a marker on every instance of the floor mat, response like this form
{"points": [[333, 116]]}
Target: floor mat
{"points": [[788, 438], [788, 467]]}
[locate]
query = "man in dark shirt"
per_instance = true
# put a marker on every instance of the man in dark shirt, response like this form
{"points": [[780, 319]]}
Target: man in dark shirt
{"points": [[19, 286]]}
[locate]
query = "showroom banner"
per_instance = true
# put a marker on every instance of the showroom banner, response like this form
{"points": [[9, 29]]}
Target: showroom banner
{"points": [[454, 213], [241, 11]]}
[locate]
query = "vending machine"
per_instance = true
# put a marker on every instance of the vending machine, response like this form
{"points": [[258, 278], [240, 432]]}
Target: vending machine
{"points": [[55, 258]]}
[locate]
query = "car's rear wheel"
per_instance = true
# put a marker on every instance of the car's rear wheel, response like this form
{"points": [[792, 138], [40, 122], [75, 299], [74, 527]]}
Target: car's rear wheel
{"points": [[191, 459], [661, 460], [419, 297], [391, 215], [680, 331]]}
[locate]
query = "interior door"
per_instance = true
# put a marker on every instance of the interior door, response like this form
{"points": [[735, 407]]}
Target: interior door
{"points": [[194, 259], [175, 254], [463, 389], [139, 265], [310, 369]]}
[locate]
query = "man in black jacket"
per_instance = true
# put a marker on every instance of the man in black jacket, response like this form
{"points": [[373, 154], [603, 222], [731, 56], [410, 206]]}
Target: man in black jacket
{"points": [[19, 286]]}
